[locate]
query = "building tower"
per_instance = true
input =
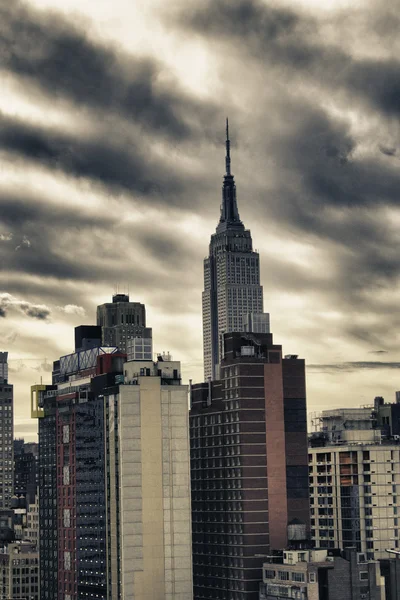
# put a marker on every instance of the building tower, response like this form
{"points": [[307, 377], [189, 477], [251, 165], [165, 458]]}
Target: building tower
{"points": [[114, 480], [6, 435], [232, 290], [122, 321], [249, 467]]}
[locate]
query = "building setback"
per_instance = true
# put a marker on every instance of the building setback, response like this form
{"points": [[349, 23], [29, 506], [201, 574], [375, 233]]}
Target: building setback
{"points": [[249, 470], [232, 290], [114, 483]]}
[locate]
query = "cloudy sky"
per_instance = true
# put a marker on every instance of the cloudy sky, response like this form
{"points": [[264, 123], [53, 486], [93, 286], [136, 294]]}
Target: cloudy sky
{"points": [[112, 120]]}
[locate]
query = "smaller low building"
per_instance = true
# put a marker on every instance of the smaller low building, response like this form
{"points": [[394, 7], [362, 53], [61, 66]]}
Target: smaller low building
{"points": [[320, 574], [19, 572]]}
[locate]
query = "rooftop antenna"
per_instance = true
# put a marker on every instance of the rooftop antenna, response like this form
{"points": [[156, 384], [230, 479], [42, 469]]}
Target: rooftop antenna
{"points": [[228, 150]]}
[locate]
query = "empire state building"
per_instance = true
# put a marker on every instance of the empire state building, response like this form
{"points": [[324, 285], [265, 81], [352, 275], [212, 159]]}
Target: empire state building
{"points": [[233, 296]]}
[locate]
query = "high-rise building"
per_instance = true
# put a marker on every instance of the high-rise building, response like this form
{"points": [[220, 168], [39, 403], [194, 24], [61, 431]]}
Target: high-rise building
{"points": [[122, 321], [114, 482], [25, 472], [232, 287], [249, 469], [6, 434], [354, 464]]}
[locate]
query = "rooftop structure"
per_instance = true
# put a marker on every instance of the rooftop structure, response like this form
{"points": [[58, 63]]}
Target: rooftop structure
{"points": [[321, 575]]}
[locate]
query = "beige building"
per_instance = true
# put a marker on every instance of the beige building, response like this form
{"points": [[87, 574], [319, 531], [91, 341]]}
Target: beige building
{"points": [[318, 575], [19, 572], [354, 496], [149, 512]]}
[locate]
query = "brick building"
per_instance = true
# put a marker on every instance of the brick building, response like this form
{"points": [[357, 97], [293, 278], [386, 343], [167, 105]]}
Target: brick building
{"points": [[249, 470]]}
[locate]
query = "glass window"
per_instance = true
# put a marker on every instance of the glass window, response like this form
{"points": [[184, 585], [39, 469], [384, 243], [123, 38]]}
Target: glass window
{"points": [[269, 574]]}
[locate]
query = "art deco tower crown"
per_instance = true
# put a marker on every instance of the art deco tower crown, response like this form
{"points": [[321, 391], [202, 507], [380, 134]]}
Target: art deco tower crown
{"points": [[232, 290]]}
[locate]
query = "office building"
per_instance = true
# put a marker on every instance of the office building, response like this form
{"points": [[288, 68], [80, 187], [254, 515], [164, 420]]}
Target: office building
{"points": [[114, 484], [122, 321], [319, 574], [249, 470], [354, 469], [25, 472], [232, 287], [6, 435]]}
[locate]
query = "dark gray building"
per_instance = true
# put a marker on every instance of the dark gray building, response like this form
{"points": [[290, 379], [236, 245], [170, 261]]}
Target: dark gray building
{"points": [[121, 321], [6, 434]]}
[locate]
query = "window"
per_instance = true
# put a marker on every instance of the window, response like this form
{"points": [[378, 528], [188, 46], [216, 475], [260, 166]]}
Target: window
{"points": [[269, 574], [312, 577], [67, 517], [66, 475], [65, 434], [283, 575], [363, 575], [298, 577]]}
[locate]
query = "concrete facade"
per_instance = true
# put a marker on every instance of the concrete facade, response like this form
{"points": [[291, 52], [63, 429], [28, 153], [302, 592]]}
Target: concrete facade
{"points": [[154, 484]]}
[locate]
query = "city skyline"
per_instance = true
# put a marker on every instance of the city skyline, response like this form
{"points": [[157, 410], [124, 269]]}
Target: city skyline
{"points": [[112, 149]]}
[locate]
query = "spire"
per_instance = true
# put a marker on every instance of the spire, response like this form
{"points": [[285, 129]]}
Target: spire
{"points": [[229, 212], [228, 150]]}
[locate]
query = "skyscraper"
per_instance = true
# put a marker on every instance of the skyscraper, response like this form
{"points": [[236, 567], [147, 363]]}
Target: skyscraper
{"points": [[249, 472], [114, 481], [248, 423], [121, 322], [232, 287], [6, 434]]}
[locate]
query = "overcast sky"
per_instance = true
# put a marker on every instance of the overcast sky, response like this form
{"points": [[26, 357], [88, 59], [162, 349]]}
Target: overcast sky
{"points": [[112, 119]]}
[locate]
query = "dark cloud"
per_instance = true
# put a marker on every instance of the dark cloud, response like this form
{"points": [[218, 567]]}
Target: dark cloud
{"points": [[378, 352], [107, 161], [51, 52], [23, 209], [352, 366], [36, 311], [388, 150], [2, 312]]}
